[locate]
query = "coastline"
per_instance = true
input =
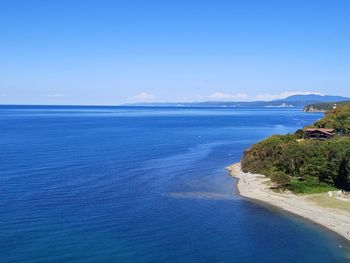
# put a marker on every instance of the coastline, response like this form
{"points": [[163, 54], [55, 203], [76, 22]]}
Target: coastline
{"points": [[256, 186]]}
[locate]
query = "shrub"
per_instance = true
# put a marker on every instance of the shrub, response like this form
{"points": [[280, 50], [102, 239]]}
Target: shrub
{"points": [[281, 179]]}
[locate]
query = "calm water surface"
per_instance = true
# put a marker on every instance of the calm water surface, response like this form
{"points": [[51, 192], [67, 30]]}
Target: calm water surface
{"points": [[123, 184]]}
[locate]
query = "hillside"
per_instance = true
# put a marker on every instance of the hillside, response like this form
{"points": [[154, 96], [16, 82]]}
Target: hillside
{"points": [[306, 165], [338, 118], [323, 106]]}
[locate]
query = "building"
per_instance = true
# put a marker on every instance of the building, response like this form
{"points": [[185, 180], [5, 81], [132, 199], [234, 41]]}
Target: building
{"points": [[318, 133]]}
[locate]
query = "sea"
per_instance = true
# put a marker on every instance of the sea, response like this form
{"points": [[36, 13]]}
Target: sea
{"points": [[144, 184]]}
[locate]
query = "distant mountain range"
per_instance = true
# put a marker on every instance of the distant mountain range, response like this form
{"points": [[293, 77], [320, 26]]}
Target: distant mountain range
{"points": [[291, 101]]}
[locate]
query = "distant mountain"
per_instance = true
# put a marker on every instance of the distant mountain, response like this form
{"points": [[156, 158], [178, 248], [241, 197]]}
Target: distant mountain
{"points": [[316, 98], [291, 101], [304, 100]]}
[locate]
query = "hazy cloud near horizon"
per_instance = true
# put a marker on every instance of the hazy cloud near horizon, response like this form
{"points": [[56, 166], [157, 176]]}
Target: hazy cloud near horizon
{"points": [[143, 97]]}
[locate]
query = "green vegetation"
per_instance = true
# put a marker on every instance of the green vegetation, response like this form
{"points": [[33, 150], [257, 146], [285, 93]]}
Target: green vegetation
{"points": [[305, 166], [310, 185], [323, 106], [338, 119]]}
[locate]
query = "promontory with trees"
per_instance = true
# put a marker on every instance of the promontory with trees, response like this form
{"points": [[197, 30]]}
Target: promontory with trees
{"points": [[313, 159]]}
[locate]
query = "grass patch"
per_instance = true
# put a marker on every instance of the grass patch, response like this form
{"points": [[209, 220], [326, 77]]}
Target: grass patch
{"points": [[309, 186], [330, 202]]}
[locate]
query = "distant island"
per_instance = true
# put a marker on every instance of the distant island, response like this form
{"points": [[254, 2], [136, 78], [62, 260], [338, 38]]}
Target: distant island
{"points": [[307, 172], [289, 102]]}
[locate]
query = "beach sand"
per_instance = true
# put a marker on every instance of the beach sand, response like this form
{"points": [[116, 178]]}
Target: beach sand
{"points": [[312, 207]]}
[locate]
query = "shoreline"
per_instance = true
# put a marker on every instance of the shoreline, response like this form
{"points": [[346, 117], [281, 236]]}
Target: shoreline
{"points": [[256, 186]]}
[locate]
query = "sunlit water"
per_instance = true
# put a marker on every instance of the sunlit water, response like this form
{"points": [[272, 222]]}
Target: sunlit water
{"points": [[123, 184]]}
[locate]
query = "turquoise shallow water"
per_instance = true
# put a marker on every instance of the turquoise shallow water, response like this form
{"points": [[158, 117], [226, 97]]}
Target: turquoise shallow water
{"points": [[123, 184]]}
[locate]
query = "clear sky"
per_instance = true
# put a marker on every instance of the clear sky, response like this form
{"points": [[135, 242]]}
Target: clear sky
{"points": [[112, 52]]}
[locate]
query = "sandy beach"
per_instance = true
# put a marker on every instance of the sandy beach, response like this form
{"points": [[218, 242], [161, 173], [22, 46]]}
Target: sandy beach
{"points": [[327, 211]]}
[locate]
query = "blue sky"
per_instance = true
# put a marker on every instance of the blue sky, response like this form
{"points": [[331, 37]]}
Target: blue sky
{"points": [[112, 52]]}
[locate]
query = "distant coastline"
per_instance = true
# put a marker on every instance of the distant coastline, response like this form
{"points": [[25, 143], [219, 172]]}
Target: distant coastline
{"points": [[297, 101], [323, 106], [258, 187]]}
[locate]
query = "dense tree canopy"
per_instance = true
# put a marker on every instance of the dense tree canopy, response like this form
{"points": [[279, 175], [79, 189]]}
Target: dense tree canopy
{"points": [[305, 165]]}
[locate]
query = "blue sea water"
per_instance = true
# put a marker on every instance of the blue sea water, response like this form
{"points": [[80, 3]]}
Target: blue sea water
{"points": [[124, 184]]}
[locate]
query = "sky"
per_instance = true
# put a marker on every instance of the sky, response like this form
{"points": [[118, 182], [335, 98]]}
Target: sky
{"points": [[114, 52]]}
